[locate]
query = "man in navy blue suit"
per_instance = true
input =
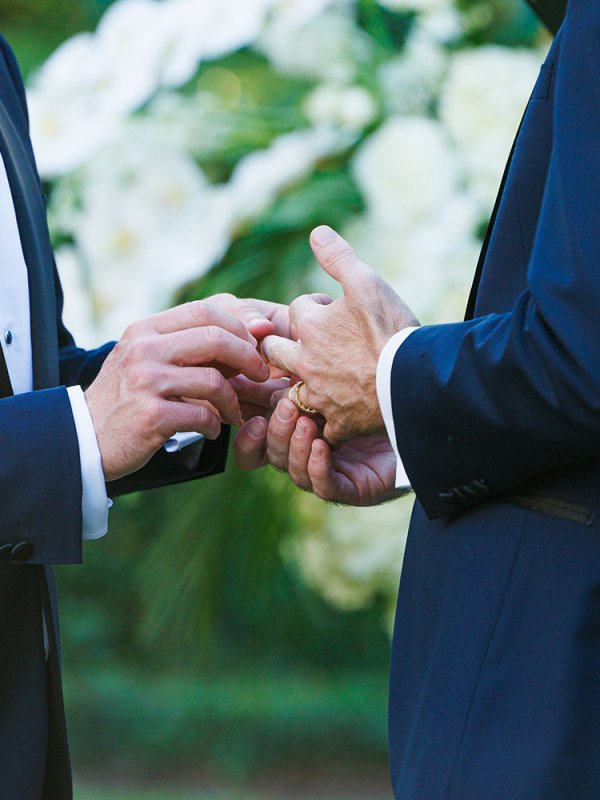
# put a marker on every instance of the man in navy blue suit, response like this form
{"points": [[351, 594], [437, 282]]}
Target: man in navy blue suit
{"points": [[62, 451], [495, 424]]}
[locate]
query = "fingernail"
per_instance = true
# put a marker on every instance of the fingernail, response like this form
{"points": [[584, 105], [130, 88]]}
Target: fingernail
{"points": [[323, 235], [285, 411], [301, 430], [255, 428]]}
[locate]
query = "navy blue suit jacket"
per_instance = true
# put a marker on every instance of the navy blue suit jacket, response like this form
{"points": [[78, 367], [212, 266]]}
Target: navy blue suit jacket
{"points": [[495, 687], [40, 487]]}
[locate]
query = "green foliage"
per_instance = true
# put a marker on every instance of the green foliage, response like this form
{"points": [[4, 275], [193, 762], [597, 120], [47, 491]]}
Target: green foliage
{"points": [[35, 28], [269, 260], [505, 22], [194, 575], [240, 720]]}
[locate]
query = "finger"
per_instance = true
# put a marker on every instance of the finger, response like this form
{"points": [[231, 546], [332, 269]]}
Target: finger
{"points": [[202, 383], [280, 394], [247, 312], [335, 435], [249, 411], [181, 416], [211, 343], [250, 444], [279, 434], [338, 259], [300, 449], [280, 352], [306, 304], [258, 394], [198, 314], [276, 313], [321, 471]]}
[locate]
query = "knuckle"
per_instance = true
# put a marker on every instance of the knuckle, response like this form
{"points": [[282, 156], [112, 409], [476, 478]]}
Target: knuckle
{"points": [[214, 336], [145, 377], [198, 310], [213, 380], [223, 298], [339, 256], [133, 330], [152, 414], [140, 348]]}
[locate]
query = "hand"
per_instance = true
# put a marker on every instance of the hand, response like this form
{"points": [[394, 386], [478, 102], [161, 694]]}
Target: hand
{"points": [[339, 342], [260, 317], [256, 398], [166, 375], [359, 473]]}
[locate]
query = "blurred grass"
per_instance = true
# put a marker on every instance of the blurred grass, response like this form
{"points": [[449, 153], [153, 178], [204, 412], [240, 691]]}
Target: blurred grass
{"points": [[237, 723]]}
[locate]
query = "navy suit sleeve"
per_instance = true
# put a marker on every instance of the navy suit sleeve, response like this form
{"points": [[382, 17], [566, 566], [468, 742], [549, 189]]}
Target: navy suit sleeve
{"points": [[506, 398]]}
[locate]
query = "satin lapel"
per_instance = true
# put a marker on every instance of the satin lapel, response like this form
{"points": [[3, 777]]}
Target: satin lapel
{"points": [[31, 218], [551, 12]]}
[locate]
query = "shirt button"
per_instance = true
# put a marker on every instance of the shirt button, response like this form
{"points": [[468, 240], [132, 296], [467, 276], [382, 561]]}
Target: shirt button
{"points": [[8, 337]]}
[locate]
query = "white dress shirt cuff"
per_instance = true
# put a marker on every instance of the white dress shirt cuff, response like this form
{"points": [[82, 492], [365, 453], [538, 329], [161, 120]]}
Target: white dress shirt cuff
{"points": [[176, 443], [94, 500], [384, 395]]}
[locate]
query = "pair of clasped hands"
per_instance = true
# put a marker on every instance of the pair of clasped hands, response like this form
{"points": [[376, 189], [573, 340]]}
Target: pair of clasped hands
{"points": [[298, 380]]}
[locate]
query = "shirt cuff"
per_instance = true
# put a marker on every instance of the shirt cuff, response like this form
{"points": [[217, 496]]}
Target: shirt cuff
{"points": [[384, 395], [181, 440], [94, 500]]}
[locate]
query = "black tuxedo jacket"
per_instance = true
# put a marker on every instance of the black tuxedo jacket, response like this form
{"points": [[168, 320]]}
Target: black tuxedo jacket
{"points": [[40, 488]]}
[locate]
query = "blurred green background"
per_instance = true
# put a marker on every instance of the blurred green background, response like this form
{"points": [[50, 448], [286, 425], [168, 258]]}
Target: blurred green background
{"points": [[198, 663]]}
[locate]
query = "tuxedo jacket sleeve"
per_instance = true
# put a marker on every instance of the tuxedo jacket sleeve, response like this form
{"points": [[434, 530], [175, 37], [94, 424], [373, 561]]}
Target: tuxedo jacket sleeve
{"points": [[40, 476], [485, 405]]}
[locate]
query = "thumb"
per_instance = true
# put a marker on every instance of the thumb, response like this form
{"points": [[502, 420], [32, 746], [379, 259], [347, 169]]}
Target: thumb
{"points": [[338, 258]]}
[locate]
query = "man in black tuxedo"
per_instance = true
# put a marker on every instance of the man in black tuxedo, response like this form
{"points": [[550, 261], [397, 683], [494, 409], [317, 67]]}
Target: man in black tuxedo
{"points": [[495, 424], [59, 446]]}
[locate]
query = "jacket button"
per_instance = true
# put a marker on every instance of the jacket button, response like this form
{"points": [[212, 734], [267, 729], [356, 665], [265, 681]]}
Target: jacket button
{"points": [[481, 486], [448, 497], [5, 553], [22, 551]]}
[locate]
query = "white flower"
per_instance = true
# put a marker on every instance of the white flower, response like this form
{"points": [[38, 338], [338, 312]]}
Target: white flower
{"points": [[352, 108], [406, 170], [417, 5], [293, 14], [200, 30], [149, 222], [411, 82], [70, 119], [327, 48], [78, 313], [262, 175], [481, 105], [352, 555]]}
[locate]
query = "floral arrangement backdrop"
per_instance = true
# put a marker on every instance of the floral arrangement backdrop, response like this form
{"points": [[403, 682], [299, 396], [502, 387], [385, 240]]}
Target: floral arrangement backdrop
{"points": [[189, 146]]}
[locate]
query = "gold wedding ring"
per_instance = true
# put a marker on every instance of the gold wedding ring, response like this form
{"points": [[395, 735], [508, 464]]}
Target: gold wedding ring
{"points": [[294, 395]]}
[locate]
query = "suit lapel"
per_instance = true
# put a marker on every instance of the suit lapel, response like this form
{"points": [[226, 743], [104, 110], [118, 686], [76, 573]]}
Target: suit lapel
{"points": [[31, 218], [551, 12]]}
